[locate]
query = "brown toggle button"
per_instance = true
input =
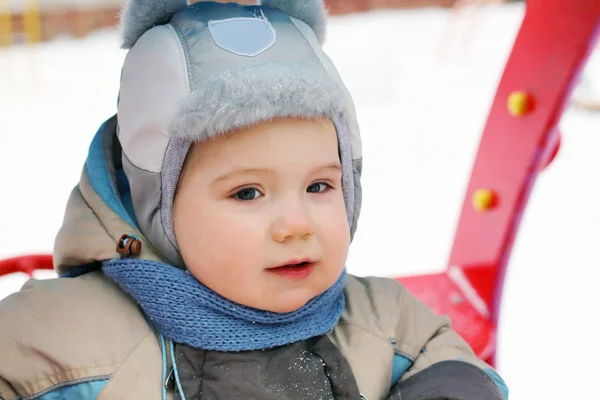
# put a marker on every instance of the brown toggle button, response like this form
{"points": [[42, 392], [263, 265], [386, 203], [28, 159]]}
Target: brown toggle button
{"points": [[128, 246]]}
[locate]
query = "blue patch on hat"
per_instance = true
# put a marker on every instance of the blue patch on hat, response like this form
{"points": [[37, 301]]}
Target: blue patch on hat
{"points": [[243, 36]]}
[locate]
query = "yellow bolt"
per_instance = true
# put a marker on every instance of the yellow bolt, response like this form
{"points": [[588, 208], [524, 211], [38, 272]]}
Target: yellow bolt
{"points": [[483, 199], [519, 103]]}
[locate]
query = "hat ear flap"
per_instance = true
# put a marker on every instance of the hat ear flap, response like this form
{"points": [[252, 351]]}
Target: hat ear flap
{"points": [[312, 12], [139, 16]]}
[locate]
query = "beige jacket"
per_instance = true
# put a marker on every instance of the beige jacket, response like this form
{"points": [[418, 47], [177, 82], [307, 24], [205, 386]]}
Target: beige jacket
{"points": [[60, 332]]}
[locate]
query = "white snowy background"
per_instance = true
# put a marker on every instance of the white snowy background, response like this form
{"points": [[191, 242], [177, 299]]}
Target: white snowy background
{"points": [[423, 81]]}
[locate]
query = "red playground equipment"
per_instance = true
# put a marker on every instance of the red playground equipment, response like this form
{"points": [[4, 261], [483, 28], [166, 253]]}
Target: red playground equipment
{"points": [[519, 140]]}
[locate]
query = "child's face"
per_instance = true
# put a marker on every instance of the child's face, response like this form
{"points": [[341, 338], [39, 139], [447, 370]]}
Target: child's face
{"points": [[261, 198]]}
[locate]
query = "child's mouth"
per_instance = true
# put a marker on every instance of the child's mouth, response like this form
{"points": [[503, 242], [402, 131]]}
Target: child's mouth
{"points": [[294, 271]]}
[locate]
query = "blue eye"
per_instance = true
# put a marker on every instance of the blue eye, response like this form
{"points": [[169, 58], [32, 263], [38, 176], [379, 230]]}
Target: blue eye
{"points": [[318, 187], [247, 194]]}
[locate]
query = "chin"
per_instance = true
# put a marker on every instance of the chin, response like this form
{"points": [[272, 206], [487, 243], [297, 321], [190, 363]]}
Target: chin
{"points": [[287, 306]]}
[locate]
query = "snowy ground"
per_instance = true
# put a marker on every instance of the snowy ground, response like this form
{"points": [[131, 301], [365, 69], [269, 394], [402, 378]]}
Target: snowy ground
{"points": [[422, 102]]}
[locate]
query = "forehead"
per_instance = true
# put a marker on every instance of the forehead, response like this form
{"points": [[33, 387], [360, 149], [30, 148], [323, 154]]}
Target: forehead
{"points": [[287, 140]]}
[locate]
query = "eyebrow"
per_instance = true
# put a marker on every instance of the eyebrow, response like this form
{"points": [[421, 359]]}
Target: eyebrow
{"points": [[336, 166]]}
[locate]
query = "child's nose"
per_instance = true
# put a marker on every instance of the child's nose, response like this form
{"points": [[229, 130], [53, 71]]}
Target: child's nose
{"points": [[292, 223]]}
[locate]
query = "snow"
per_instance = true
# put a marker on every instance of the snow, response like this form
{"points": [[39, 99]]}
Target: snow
{"points": [[423, 83]]}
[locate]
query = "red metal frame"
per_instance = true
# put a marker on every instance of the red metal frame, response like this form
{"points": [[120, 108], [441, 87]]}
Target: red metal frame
{"points": [[26, 264], [552, 45]]}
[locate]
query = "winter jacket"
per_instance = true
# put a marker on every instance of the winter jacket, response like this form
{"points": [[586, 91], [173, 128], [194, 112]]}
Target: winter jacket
{"points": [[82, 337]]}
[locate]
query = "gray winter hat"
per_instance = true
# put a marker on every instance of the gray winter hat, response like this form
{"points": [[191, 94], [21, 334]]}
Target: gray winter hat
{"points": [[197, 71]]}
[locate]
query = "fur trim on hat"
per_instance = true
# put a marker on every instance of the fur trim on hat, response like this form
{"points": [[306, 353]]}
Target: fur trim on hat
{"points": [[241, 98]]}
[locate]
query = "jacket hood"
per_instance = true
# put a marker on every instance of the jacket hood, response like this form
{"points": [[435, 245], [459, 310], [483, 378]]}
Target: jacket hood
{"points": [[99, 210]]}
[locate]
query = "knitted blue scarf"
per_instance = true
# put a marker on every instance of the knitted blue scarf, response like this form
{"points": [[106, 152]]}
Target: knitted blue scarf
{"points": [[186, 311]]}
